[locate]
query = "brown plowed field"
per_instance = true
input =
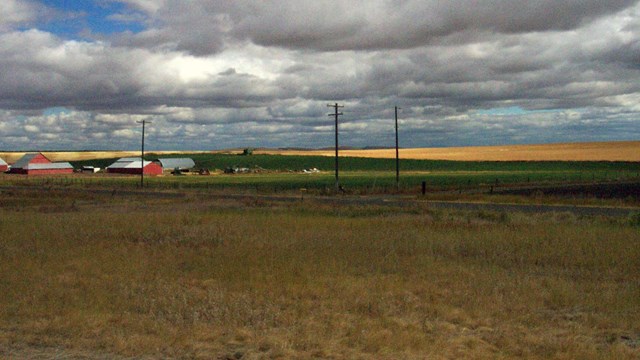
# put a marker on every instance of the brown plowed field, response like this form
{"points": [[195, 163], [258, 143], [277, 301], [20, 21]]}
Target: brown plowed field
{"points": [[595, 151]]}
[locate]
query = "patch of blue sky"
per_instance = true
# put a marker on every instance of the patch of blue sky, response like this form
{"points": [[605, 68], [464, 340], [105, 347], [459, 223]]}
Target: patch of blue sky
{"points": [[75, 17], [510, 111], [55, 111]]}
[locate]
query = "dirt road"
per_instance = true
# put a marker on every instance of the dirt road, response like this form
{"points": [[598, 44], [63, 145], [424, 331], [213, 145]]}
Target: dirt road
{"points": [[347, 200]]}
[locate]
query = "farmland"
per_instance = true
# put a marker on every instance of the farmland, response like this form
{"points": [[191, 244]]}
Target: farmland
{"points": [[91, 266], [373, 171], [596, 151], [358, 176]]}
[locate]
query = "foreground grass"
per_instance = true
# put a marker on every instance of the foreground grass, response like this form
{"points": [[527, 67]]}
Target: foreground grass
{"points": [[201, 279]]}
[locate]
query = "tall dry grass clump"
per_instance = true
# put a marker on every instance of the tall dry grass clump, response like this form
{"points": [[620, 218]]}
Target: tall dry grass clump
{"points": [[308, 281]]}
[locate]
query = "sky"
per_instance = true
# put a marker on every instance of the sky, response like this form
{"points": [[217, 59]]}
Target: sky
{"points": [[208, 74]]}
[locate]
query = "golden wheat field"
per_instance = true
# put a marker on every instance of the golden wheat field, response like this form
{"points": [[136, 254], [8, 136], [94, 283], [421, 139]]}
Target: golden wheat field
{"points": [[593, 151]]}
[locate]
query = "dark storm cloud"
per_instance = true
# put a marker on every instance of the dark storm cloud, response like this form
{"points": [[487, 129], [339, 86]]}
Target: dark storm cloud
{"points": [[332, 25], [202, 27]]}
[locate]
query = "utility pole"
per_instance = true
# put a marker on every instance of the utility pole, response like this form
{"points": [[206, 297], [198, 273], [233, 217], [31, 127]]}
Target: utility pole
{"points": [[143, 122], [336, 114], [397, 151]]}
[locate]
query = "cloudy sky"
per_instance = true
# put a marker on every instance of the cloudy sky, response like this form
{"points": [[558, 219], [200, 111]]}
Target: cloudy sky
{"points": [[212, 74]]}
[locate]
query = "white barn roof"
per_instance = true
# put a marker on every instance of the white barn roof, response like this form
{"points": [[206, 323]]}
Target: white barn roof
{"points": [[180, 163], [128, 163], [2, 162], [129, 159], [56, 165]]}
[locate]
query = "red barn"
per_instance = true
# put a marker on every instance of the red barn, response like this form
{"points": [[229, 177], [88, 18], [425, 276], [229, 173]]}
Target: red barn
{"points": [[133, 166], [3, 165], [38, 164]]}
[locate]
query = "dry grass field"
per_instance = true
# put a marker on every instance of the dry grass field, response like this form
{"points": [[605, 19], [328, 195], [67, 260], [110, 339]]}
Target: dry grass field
{"points": [[597, 151], [97, 276]]}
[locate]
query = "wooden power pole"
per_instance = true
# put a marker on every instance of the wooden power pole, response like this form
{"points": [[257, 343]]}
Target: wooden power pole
{"points": [[336, 114], [397, 151], [143, 122]]}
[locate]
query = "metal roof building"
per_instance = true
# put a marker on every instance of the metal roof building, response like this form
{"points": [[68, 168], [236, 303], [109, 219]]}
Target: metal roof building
{"points": [[180, 163], [134, 166], [34, 158], [90, 169], [38, 164]]}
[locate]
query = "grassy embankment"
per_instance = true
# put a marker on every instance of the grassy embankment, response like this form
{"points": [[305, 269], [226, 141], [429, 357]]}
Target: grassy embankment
{"points": [[97, 276]]}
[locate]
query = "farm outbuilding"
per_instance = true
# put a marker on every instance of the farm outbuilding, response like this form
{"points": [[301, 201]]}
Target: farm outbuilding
{"points": [[134, 166], [3, 165], [90, 169], [182, 164], [38, 164]]}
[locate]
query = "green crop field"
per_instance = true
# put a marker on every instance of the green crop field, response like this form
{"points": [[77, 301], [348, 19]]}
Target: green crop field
{"points": [[444, 180], [298, 163], [274, 173]]}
